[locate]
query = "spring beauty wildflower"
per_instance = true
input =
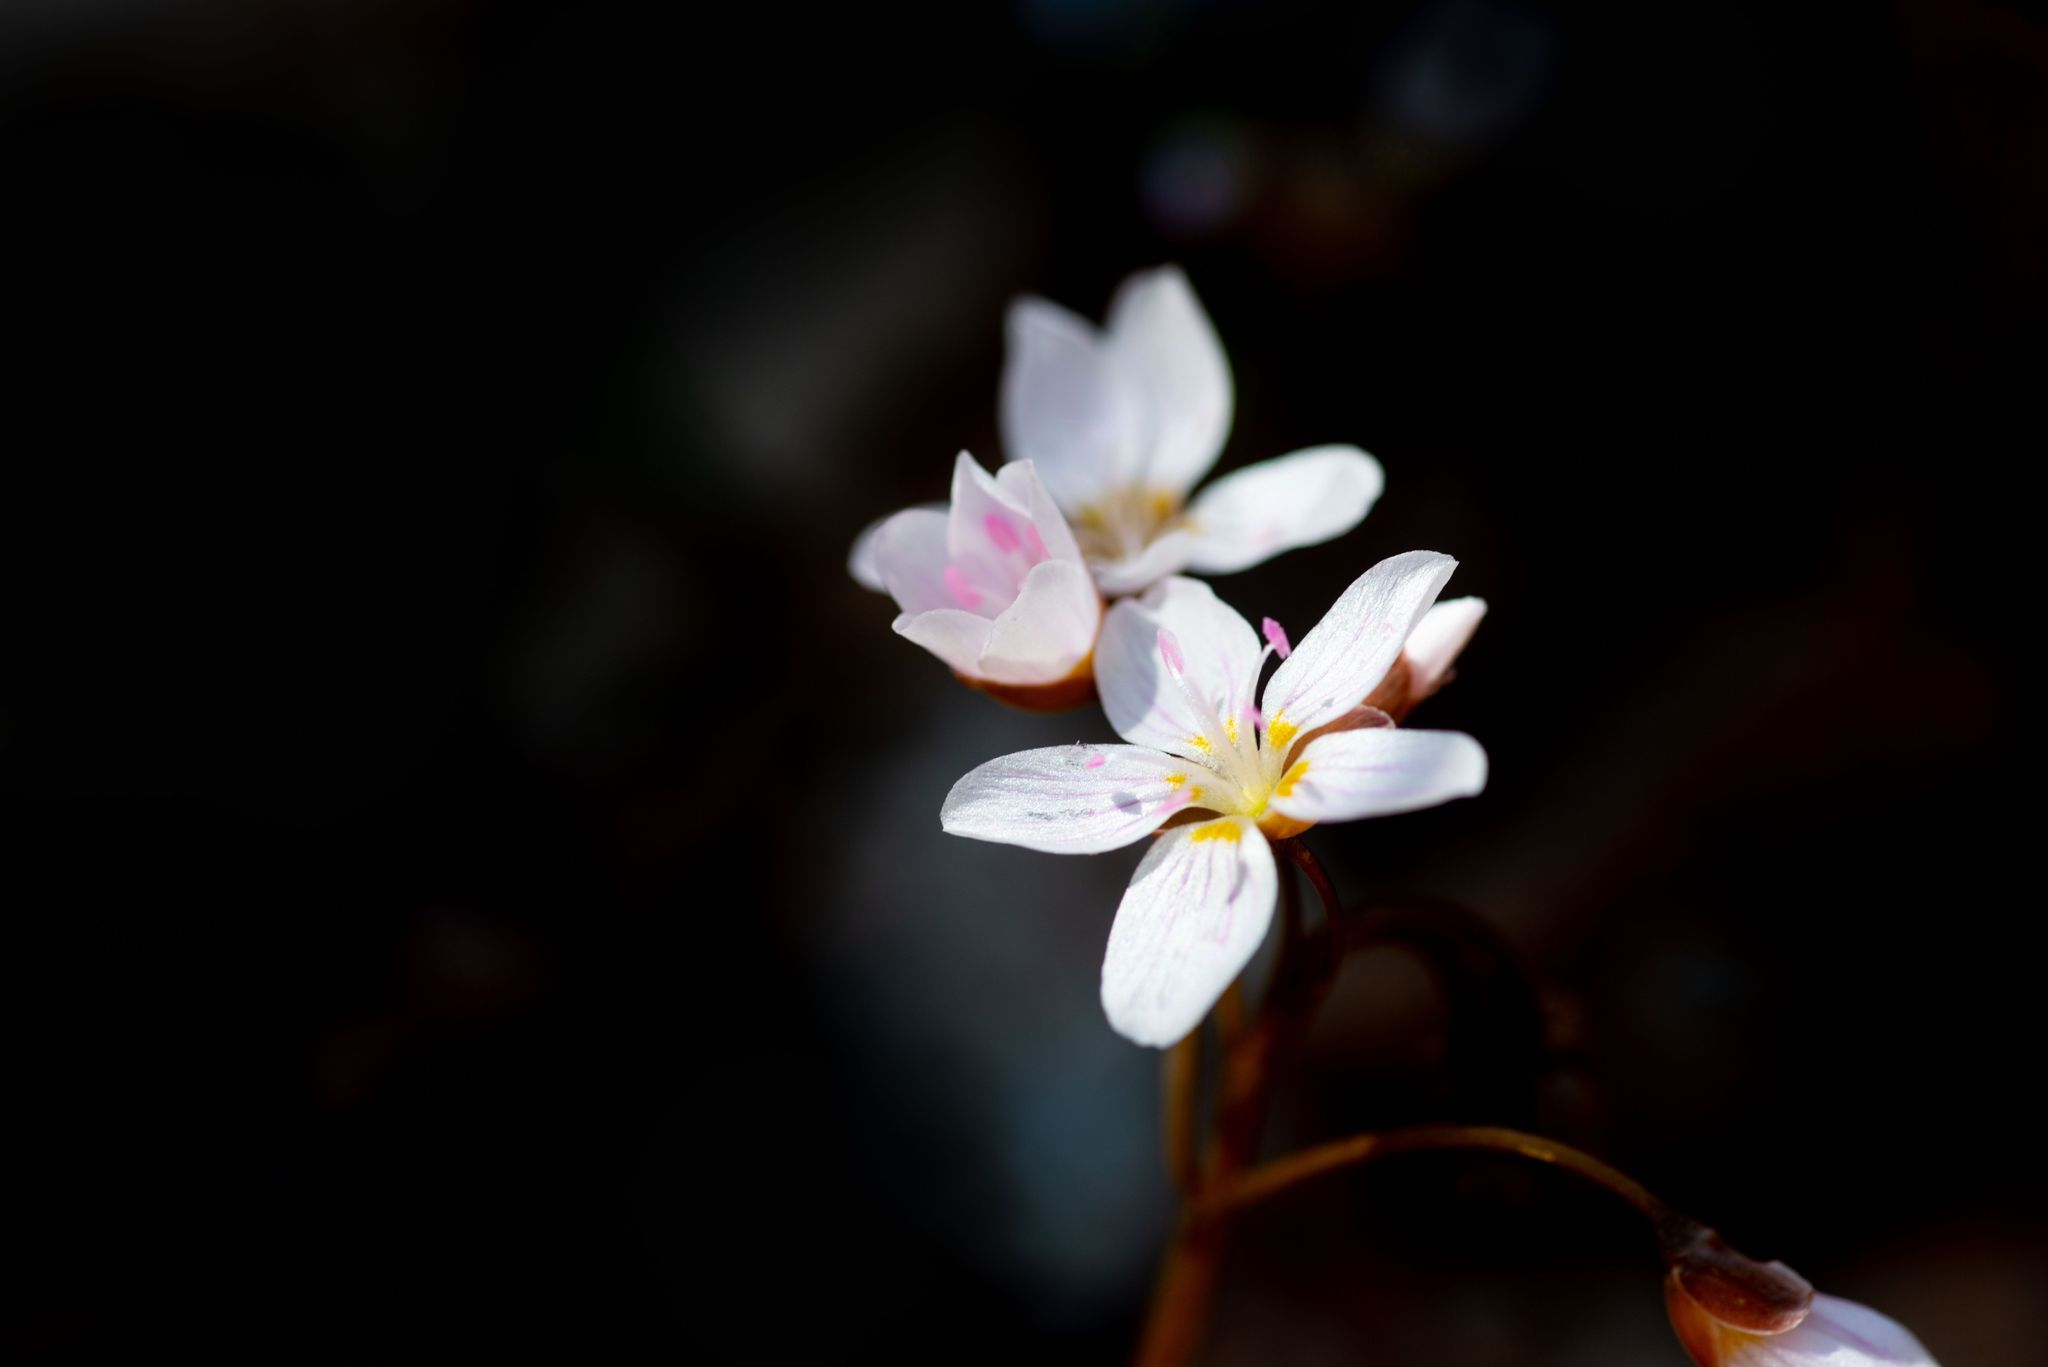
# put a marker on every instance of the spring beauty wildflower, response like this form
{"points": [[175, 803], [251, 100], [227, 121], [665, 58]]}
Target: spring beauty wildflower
{"points": [[1123, 422], [994, 585], [1178, 672], [1833, 1333]]}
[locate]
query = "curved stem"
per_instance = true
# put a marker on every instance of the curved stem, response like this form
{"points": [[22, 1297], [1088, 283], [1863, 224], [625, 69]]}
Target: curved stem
{"points": [[1279, 1176], [1183, 1125], [1193, 1264], [1308, 864]]}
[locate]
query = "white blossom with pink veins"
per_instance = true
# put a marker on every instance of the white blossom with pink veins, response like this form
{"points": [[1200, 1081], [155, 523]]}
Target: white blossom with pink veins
{"points": [[1178, 672], [1123, 422], [1835, 1333], [993, 584]]}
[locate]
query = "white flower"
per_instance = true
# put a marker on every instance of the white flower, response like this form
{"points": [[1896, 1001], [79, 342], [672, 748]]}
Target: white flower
{"points": [[994, 585], [1178, 671], [1122, 423], [1835, 1333]]}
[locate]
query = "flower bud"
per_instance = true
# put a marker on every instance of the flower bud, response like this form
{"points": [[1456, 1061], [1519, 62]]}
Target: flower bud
{"points": [[1732, 1311]]}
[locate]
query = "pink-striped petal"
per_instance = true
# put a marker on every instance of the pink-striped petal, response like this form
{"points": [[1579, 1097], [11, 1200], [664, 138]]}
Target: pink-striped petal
{"points": [[1069, 799], [1193, 916]]}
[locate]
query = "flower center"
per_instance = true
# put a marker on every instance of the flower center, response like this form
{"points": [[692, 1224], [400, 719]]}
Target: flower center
{"points": [[1246, 754], [1126, 521]]}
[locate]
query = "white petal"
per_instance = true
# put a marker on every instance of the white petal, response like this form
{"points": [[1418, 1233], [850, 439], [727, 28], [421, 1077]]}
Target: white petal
{"points": [[1336, 665], [955, 635], [1193, 916], [1066, 406], [1277, 505], [860, 561], [1836, 1333], [1049, 630], [1163, 555], [1438, 638], [1166, 343], [1221, 655], [1020, 482], [1070, 799], [908, 553], [1377, 771]]}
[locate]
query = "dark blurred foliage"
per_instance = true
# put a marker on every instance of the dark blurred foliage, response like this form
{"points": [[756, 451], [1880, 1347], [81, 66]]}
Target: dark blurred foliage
{"points": [[473, 880]]}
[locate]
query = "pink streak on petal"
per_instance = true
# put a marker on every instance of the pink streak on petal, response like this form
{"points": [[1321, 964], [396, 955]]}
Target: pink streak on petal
{"points": [[1096, 761], [1169, 650], [1276, 637], [1001, 533], [964, 593], [1036, 543]]}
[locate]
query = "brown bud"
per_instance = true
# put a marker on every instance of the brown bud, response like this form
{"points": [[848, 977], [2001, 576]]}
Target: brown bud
{"points": [[1736, 1291], [1396, 694]]}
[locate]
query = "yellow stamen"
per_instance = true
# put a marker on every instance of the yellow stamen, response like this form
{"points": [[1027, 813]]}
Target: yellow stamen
{"points": [[1176, 779], [1230, 729], [1200, 743], [1224, 828], [1293, 776], [1279, 732]]}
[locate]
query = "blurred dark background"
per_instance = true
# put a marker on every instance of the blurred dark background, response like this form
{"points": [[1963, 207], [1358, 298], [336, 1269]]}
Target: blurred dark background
{"points": [[473, 881]]}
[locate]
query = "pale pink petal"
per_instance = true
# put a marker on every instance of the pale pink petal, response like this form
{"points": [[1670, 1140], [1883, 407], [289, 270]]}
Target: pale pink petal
{"points": [[985, 539], [1437, 640], [1066, 405], [1166, 343], [1053, 538], [1163, 555], [908, 553], [1350, 650], [955, 635], [1277, 505], [1047, 631], [1377, 771], [1070, 799], [1144, 703], [860, 561], [1836, 1333], [1193, 916]]}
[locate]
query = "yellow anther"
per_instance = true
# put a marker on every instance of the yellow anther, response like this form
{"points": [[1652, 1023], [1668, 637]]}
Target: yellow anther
{"points": [[1292, 777], [1223, 828]]}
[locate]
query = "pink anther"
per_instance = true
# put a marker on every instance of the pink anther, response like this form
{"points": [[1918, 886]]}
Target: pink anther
{"points": [[964, 593], [1276, 638], [1169, 650], [1001, 533]]}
